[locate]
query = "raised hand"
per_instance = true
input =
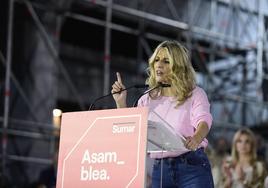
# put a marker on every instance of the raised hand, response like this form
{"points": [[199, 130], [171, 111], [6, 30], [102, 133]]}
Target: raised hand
{"points": [[120, 98], [240, 173], [226, 169]]}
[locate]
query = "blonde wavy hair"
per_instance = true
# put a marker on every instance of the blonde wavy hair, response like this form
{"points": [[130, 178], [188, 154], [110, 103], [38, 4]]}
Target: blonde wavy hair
{"points": [[253, 152], [182, 76]]}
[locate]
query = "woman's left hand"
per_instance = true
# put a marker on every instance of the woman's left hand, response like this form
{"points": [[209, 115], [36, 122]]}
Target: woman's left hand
{"points": [[240, 173], [192, 142]]}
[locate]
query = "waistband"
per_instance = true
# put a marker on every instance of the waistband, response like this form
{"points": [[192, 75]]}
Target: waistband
{"points": [[181, 158]]}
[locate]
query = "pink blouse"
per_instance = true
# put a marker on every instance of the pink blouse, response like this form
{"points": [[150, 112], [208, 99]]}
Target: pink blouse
{"points": [[185, 118]]}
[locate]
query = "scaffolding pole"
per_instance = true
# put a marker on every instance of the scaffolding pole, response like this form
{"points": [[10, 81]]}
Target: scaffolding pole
{"points": [[107, 48], [260, 37], [7, 84]]}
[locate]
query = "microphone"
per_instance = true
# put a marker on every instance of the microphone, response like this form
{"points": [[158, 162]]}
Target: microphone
{"points": [[163, 85], [160, 84], [137, 86]]}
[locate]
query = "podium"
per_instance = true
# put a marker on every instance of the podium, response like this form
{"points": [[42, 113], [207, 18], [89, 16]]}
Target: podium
{"points": [[162, 137], [108, 148]]}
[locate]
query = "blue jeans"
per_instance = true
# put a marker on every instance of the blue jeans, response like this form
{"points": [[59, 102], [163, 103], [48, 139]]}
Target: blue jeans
{"points": [[189, 170]]}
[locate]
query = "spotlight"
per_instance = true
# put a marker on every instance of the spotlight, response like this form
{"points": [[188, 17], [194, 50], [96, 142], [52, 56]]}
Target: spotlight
{"points": [[57, 112]]}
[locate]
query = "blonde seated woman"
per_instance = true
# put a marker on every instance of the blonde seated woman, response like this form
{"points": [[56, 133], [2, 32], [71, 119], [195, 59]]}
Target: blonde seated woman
{"points": [[242, 169]]}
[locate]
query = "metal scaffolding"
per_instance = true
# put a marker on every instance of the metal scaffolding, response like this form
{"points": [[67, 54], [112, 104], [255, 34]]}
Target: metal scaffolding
{"points": [[227, 41]]}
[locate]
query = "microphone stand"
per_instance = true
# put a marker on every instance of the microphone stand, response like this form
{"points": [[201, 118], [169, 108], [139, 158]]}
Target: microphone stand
{"points": [[149, 90], [110, 94]]}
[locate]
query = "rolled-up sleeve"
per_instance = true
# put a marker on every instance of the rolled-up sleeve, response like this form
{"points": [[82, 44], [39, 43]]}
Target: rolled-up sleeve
{"points": [[200, 110]]}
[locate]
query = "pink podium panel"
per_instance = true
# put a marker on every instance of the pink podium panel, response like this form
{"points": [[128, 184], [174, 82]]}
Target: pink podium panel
{"points": [[104, 148]]}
